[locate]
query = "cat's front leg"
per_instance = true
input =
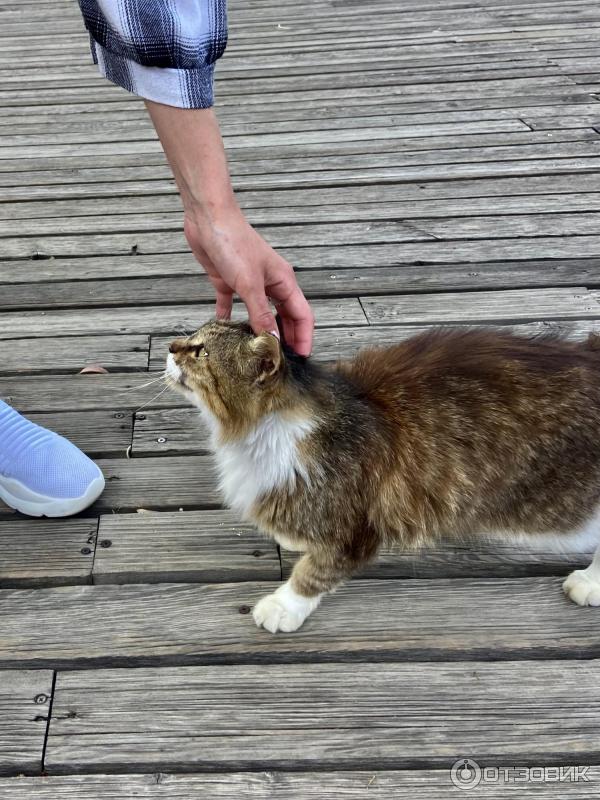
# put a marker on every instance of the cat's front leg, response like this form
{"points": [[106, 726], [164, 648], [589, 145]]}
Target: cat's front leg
{"points": [[284, 609], [315, 574], [583, 585]]}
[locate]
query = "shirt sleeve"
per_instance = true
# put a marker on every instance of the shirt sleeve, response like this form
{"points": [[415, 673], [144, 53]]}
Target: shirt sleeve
{"points": [[162, 50]]}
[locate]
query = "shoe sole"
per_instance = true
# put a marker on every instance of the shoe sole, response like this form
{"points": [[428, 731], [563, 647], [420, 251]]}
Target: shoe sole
{"points": [[18, 496]]}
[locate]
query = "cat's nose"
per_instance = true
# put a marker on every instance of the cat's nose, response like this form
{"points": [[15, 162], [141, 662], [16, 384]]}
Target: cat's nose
{"points": [[177, 345]]}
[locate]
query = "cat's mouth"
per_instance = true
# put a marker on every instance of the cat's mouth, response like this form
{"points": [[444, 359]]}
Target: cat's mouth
{"points": [[175, 373]]}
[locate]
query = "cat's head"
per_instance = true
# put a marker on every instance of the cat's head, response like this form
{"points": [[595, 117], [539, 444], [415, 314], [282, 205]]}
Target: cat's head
{"points": [[229, 372]]}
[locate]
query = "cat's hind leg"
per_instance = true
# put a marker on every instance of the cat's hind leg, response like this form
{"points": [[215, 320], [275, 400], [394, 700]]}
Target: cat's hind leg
{"points": [[583, 585]]}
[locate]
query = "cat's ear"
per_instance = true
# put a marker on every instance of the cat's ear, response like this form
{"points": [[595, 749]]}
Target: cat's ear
{"points": [[269, 357]]}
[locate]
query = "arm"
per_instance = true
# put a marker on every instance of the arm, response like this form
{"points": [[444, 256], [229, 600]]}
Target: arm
{"points": [[236, 258], [165, 52]]}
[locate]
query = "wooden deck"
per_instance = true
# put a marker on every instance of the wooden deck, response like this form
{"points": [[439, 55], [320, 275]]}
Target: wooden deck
{"points": [[418, 162]]}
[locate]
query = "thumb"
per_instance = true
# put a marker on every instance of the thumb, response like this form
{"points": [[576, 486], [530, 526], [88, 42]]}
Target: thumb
{"points": [[259, 312]]}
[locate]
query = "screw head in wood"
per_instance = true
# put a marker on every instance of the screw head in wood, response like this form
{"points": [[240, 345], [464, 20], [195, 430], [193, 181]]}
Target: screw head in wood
{"points": [[85, 551], [40, 699], [161, 439], [244, 609], [106, 543]]}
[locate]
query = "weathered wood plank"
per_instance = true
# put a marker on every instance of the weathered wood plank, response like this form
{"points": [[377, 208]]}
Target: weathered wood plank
{"points": [[69, 355], [158, 624], [173, 431], [517, 305], [46, 552], [157, 483], [477, 561], [98, 433], [193, 546], [151, 319], [477, 133], [115, 393], [249, 168], [516, 225], [273, 140], [256, 177], [404, 191], [363, 208], [277, 785], [24, 706], [392, 715]]}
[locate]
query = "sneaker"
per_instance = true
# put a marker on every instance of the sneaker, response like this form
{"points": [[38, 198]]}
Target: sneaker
{"points": [[43, 474]]}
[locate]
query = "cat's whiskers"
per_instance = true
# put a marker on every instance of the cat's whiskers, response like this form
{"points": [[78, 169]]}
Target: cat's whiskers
{"points": [[152, 399], [160, 377]]}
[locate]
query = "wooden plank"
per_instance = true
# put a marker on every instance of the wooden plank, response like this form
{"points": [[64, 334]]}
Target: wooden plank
{"points": [[157, 483], [279, 168], [276, 785], [268, 199], [193, 546], [274, 140], [567, 122], [172, 431], [24, 707], [283, 165], [476, 561], [172, 240], [19, 119], [150, 319], [475, 132], [46, 552], [379, 208], [58, 246], [515, 225], [68, 355], [125, 170], [518, 305], [157, 624], [103, 433], [378, 715], [115, 393]]}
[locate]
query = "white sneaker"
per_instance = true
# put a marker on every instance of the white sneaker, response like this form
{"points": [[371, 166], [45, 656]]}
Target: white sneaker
{"points": [[43, 474]]}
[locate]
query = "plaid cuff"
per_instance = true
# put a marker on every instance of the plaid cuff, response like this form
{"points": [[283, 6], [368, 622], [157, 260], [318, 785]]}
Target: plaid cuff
{"points": [[184, 88]]}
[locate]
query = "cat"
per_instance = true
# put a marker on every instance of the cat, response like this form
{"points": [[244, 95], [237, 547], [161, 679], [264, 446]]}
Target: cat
{"points": [[448, 434]]}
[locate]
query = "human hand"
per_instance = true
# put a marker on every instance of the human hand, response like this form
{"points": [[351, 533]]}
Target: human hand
{"points": [[238, 260]]}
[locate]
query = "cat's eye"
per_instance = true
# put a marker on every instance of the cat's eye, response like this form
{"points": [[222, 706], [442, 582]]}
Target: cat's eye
{"points": [[200, 350]]}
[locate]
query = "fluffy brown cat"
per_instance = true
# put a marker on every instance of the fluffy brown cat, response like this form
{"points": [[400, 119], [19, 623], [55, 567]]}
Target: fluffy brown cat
{"points": [[453, 433]]}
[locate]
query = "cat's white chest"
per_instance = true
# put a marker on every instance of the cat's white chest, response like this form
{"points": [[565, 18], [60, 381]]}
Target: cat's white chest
{"points": [[267, 458]]}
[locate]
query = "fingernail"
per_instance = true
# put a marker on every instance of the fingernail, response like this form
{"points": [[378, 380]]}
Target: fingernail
{"points": [[275, 334]]}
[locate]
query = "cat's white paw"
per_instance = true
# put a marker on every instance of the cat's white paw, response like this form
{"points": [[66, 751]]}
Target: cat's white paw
{"points": [[284, 610], [583, 588]]}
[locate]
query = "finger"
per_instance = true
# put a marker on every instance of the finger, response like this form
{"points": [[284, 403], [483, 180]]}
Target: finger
{"points": [[223, 292], [297, 313], [288, 328], [224, 304], [259, 312]]}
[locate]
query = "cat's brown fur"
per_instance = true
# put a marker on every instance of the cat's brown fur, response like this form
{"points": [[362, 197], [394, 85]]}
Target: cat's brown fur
{"points": [[452, 433]]}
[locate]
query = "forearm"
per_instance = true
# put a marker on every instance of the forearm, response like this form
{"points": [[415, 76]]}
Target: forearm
{"points": [[194, 148]]}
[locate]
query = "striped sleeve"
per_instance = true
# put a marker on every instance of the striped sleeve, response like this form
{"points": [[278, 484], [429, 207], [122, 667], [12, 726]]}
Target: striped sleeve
{"points": [[162, 50]]}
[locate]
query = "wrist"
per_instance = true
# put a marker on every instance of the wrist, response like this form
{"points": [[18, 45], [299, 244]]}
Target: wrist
{"points": [[208, 217]]}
